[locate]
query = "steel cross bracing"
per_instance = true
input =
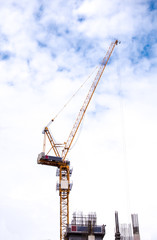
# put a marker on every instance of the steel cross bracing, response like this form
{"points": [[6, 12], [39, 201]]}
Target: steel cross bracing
{"points": [[60, 161], [52, 142]]}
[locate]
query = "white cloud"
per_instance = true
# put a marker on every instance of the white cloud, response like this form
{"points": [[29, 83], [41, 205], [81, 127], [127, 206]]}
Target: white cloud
{"points": [[47, 50]]}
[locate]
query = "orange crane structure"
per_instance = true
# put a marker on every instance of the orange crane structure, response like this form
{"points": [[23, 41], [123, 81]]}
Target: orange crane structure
{"points": [[59, 160]]}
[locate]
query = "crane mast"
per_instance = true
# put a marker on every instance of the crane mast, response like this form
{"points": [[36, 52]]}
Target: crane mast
{"points": [[59, 160]]}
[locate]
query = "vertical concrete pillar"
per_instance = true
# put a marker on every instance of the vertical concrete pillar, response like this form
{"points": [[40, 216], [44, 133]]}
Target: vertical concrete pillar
{"points": [[135, 226]]}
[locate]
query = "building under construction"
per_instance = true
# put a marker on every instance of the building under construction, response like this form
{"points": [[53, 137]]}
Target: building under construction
{"points": [[125, 231], [84, 228]]}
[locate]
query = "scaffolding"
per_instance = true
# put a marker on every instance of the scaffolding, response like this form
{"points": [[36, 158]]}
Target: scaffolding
{"points": [[83, 220], [126, 232], [84, 227]]}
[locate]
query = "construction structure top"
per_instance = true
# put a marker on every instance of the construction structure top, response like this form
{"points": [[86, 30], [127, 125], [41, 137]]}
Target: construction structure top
{"points": [[83, 226]]}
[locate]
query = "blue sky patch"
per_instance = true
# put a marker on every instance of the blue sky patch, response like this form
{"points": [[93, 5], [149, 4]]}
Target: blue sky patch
{"points": [[3, 37], [67, 31], [54, 29], [99, 108], [152, 5], [81, 18], [53, 55], [11, 84], [42, 44], [83, 45], [146, 50], [61, 69], [38, 14], [145, 43], [4, 56]]}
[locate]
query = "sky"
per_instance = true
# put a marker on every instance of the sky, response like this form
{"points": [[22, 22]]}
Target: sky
{"points": [[47, 50]]}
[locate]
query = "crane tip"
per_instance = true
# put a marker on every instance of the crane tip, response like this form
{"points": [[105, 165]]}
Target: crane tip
{"points": [[117, 42]]}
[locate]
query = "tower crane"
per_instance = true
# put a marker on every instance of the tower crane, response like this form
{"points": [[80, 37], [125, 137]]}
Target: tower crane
{"points": [[59, 160]]}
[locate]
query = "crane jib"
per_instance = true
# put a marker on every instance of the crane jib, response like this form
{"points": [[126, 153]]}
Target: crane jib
{"points": [[87, 100]]}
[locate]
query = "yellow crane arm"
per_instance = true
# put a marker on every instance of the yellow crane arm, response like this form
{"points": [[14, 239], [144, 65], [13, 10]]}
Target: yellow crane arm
{"points": [[87, 100]]}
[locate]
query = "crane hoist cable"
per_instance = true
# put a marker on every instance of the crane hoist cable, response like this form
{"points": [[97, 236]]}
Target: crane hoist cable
{"points": [[72, 96]]}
